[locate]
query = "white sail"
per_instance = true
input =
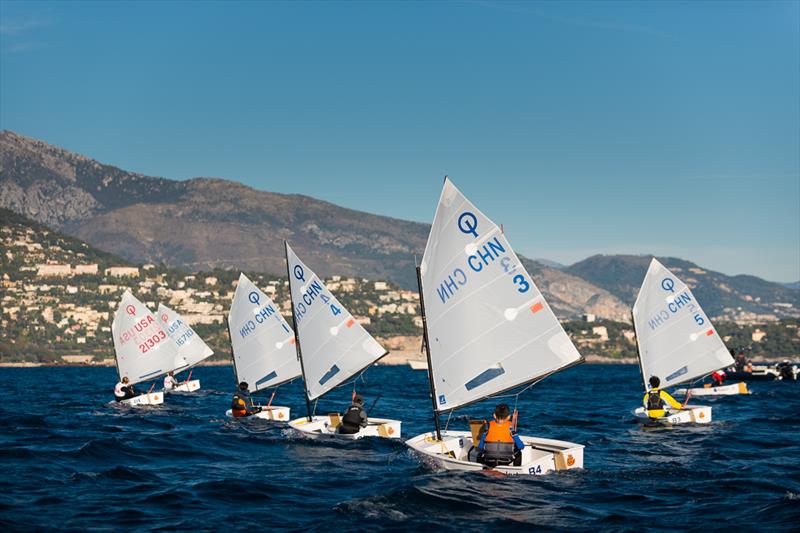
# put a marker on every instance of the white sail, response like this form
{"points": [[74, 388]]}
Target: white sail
{"points": [[489, 327], [677, 342], [264, 353], [143, 349], [334, 346], [191, 348]]}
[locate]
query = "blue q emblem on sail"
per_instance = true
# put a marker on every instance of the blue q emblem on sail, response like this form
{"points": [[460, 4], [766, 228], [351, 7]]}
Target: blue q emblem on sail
{"points": [[668, 284], [299, 273], [254, 298], [468, 223]]}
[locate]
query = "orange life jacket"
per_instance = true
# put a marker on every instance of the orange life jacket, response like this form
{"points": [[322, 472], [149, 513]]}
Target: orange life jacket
{"points": [[499, 432]]}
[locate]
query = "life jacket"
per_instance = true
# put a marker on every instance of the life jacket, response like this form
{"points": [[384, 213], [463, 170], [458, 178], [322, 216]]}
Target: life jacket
{"points": [[498, 446], [351, 421], [239, 403], [654, 402]]}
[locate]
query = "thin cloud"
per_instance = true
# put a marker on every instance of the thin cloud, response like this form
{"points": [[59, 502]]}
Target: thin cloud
{"points": [[19, 26], [16, 33]]}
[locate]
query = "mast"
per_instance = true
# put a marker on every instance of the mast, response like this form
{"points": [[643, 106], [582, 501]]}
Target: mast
{"points": [[296, 333], [428, 355], [638, 351], [233, 356]]}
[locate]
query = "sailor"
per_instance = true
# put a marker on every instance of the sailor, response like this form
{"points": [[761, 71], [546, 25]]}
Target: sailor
{"points": [[242, 404], [718, 377], [785, 370], [170, 382], [741, 362], [123, 391], [655, 398], [500, 445], [355, 417]]}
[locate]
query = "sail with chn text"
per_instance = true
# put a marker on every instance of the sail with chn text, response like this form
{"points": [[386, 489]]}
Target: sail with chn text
{"points": [[677, 342], [489, 327], [264, 354], [334, 346], [143, 349]]}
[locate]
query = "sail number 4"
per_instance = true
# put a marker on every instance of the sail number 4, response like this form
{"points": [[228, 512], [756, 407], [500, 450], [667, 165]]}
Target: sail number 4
{"points": [[335, 310]]}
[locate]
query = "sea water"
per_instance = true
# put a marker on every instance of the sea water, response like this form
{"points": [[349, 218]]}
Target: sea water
{"points": [[68, 460]]}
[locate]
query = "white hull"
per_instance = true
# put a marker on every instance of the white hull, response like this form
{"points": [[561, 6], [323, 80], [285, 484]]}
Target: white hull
{"points": [[274, 412], [725, 390], [456, 452], [691, 414], [324, 427], [418, 365], [153, 398], [189, 386]]}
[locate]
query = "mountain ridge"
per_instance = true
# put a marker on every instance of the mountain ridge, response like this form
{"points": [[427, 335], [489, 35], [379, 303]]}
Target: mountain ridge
{"points": [[204, 223]]}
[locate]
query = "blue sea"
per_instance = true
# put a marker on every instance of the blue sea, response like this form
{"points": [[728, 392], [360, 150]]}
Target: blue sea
{"points": [[70, 461]]}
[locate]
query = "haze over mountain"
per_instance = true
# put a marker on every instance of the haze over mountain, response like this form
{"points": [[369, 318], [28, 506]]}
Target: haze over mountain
{"points": [[204, 223]]}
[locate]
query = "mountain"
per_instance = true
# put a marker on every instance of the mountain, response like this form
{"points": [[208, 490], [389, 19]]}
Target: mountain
{"points": [[205, 223], [550, 263], [719, 294], [795, 285]]}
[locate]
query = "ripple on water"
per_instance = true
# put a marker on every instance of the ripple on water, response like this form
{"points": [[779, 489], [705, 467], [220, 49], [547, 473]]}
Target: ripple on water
{"points": [[79, 463]]}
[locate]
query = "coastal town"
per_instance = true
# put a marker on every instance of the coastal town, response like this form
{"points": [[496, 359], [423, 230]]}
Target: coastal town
{"points": [[59, 295]]}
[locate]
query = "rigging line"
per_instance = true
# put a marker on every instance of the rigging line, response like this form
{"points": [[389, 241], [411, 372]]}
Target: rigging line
{"points": [[446, 424], [314, 411]]}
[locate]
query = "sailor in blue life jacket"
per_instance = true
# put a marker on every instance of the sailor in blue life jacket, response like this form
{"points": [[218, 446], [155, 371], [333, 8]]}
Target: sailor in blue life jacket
{"points": [[242, 403], [500, 445], [355, 417], [655, 398], [124, 391]]}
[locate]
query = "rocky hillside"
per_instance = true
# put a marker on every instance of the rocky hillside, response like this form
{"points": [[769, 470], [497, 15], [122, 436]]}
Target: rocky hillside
{"points": [[720, 295], [205, 223]]}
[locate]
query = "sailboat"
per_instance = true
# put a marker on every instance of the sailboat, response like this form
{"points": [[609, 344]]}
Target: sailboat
{"points": [[487, 330], [676, 340], [333, 348], [263, 346], [142, 348], [191, 348]]}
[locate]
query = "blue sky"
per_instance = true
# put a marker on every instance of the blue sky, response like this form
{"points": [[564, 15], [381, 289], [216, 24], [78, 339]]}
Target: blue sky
{"points": [[667, 128]]}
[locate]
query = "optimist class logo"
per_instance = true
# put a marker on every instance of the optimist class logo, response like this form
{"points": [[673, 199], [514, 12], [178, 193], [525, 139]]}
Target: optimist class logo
{"points": [[131, 310], [164, 318]]}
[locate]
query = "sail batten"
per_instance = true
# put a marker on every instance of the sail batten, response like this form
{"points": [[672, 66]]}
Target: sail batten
{"points": [[677, 341], [262, 341], [489, 327], [335, 346], [142, 348]]}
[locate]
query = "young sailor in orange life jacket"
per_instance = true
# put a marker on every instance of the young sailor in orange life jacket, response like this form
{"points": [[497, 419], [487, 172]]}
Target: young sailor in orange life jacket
{"points": [[242, 404], [655, 398], [500, 445]]}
